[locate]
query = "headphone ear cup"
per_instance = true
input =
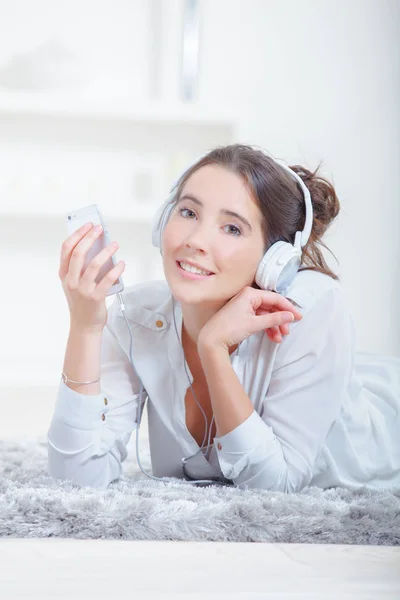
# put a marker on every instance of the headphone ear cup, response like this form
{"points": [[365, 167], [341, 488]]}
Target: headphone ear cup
{"points": [[278, 267], [160, 220]]}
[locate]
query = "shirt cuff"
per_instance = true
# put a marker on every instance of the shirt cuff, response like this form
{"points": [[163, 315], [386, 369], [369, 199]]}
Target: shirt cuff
{"points": [[81, 411], [245, 436], [245, 445]]}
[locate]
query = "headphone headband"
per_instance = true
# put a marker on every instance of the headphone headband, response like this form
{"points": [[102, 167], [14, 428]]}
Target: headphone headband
{"points": [[302, 239]]}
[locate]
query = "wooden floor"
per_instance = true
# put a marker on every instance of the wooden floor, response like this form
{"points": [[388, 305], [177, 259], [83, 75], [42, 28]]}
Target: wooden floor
{"points": [[69, 568]]}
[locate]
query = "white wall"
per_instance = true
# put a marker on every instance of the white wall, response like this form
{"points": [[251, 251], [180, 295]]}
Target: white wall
{"points": [[325, 85]]}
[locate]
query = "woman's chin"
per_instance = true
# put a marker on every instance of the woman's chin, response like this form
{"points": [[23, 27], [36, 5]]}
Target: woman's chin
{"points": [[192, 291], [186, 293], [188, 296]]}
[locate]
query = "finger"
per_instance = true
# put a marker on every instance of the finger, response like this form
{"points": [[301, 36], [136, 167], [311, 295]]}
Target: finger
{"points": [[275, 319], [93, 268], [108, 280], [278, 302], [68, 245], [284, 329], [78, 255], [276, 333], [270, 334], [287, 306], [273, 333]]}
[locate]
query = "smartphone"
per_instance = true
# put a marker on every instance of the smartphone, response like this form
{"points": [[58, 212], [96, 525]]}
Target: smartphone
{"points": [[92, 214]]}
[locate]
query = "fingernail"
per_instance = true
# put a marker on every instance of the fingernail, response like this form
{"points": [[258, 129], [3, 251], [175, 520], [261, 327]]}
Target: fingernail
{"points": [[98, 228], [288, 317]]}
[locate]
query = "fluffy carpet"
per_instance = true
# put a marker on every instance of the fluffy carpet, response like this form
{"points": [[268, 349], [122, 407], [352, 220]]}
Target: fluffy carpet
{"points": [[33, 505]]}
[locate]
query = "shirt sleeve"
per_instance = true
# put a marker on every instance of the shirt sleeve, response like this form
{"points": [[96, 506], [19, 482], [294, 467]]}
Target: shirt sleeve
{"points": [[276, 449], [88, 434]]}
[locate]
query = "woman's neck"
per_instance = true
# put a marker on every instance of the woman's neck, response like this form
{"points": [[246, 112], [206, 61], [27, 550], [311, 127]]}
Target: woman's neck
{"points": [[190, 347], [192, 324]]}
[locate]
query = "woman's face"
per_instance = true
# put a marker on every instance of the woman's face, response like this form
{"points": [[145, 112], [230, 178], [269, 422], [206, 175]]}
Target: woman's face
{"points": [[200, 231]]}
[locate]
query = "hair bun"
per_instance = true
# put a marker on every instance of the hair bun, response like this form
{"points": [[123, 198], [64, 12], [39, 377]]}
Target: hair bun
{"points": [[325, 203]]}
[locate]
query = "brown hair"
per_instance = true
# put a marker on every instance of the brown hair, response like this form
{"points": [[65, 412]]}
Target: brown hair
{"points": [[279, 198]]}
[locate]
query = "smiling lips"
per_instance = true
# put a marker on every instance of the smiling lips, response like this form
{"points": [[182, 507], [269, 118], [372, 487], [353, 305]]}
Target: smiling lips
{"points": [[196, 266], [192, 274]]}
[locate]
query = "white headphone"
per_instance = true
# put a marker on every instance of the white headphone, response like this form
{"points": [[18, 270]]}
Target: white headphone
{"points": [[281, 261]]}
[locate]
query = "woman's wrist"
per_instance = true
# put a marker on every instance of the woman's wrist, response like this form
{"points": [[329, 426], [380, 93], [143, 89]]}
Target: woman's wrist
{"points": [[79, 330], [82, 361]]}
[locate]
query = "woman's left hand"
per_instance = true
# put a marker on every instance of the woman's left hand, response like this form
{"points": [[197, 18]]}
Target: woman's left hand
{"points": [[250, 311]]}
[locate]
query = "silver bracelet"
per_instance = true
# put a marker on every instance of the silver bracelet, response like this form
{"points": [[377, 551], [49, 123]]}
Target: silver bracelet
{"points": [[65, 380]]}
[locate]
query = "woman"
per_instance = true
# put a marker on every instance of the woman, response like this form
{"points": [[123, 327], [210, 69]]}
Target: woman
{"points": [[279, 413]]}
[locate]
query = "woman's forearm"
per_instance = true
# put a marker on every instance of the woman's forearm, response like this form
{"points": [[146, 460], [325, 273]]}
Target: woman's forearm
{"points": [[231, 405], [82, 360]]}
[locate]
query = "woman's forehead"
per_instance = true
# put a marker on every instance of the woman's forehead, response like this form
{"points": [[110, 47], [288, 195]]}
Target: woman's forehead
{"points": [[213, 182]]}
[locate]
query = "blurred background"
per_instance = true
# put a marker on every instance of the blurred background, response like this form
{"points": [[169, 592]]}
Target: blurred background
{"points": [[107, 101]]}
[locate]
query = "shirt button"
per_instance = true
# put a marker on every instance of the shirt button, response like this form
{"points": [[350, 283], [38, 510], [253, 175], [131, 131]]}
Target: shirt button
{"points": [[159, 323], [105, 401], [103, 417], [219, 446]]}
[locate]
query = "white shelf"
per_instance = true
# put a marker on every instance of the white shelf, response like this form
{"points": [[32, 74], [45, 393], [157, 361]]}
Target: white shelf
{"points": [[139, 214], [125, 109]]}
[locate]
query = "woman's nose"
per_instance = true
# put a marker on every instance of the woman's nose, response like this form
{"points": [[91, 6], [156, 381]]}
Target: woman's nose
{"points": [[199, 238]]}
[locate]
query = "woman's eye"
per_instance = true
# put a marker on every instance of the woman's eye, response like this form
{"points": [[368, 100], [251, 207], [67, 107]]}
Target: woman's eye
{"points": [[182, 209], [237, 230]]}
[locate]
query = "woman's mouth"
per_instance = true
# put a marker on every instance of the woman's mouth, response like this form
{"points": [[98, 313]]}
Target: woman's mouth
{"points": [[191, 274]]}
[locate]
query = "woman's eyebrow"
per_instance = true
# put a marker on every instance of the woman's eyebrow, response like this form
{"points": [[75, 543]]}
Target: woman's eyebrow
{"points": [[224, 211]]}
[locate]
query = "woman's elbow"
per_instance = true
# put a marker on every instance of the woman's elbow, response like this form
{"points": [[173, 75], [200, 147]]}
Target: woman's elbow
{"points": [[286, 480], [97, 472]]}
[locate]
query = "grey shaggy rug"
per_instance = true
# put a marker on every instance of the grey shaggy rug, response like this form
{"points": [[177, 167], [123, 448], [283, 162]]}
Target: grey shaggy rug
{"points": [[33, 505]]}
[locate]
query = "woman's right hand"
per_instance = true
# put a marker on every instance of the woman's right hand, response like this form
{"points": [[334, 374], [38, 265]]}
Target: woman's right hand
{"points": [[87, 299]]}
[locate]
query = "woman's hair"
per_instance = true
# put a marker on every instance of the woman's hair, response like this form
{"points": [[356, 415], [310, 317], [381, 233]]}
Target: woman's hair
{"points": [[280, 198]]}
